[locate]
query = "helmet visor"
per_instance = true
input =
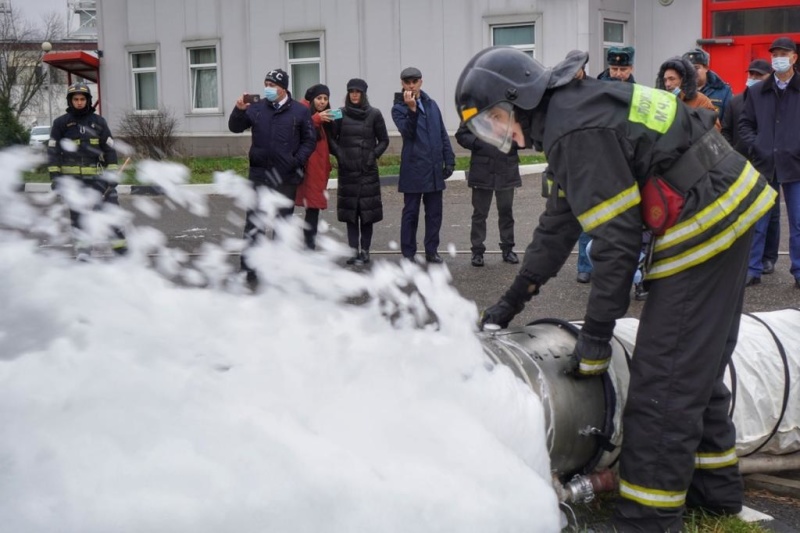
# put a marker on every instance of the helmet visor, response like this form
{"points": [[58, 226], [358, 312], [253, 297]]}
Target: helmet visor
{"points": [[495, 126]]}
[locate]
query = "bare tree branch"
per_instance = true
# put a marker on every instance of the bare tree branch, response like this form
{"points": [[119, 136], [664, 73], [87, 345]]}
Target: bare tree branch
{"points": [[21, 72]]}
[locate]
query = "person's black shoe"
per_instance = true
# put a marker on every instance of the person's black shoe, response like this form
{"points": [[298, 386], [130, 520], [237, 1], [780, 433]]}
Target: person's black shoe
{"points": [[251, 280], [639, 293], [364, 256], [768, 267], [434, 258], [584, 277], [355, 259], [751, 280], [477, 260], [510, 257]]}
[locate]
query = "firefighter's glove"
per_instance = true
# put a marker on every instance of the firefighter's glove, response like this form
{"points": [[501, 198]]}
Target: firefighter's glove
{"points": [[511, 303], [592, 354]]}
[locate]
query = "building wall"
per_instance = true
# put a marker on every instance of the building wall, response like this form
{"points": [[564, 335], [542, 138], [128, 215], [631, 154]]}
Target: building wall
{"points": [[370, 39]]}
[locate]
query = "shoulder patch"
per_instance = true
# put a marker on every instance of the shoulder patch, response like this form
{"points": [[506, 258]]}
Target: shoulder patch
{"points": [[51, 143], [653, 108]]}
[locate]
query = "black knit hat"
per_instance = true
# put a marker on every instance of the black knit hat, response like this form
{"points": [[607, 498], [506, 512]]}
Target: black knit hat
{"points": [[316, 90], [357, 83], [278, 77]]}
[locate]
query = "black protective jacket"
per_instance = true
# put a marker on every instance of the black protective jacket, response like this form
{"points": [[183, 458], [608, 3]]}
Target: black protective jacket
{"points": [[489, 168], [359, 139], [603, 141], [94, 146]]}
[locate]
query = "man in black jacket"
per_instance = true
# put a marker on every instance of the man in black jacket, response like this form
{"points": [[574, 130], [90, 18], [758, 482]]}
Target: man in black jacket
{"points": [[283, 140], [81, 146], [768, 126], [758, 71], [491, 172], [616, 150]]}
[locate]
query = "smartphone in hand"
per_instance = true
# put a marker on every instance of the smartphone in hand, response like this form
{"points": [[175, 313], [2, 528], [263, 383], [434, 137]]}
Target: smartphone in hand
{"points": [[336, 114], [251, 98]]}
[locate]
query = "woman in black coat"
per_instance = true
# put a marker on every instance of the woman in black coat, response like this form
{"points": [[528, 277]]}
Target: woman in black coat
{"points": [[360, 139]]}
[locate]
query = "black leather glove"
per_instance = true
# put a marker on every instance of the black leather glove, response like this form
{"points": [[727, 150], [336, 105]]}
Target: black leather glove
{"points": [[448, 171], [500, 313], [592, 354], [511, 303]]}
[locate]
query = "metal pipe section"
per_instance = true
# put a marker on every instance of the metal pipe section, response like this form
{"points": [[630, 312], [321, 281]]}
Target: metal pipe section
{"points": [[583, 418]]}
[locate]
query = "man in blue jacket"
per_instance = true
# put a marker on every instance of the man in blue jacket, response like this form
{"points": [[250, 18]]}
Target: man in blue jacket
{"points": [[427, 159], [708, 82], [283, 140], [768, 125]]}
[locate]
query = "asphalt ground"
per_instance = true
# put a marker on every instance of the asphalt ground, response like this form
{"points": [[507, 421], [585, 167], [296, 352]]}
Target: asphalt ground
{"points": [[562, 297]]}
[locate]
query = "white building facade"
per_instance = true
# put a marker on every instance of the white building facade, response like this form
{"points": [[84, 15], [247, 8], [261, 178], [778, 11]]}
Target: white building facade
{"points": [[194, 58]]}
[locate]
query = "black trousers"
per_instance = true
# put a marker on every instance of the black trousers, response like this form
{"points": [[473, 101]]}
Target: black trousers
{"points": [[481, 202], [257, 222], [359, 234], [679, 445], [108, 196], [311, 226]]}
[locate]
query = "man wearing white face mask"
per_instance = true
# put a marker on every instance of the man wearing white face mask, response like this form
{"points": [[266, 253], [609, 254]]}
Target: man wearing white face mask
{"points": [[768, 126], [283, 140]]}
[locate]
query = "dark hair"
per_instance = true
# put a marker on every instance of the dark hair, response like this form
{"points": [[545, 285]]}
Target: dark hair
{"points": [[363, 104], [685, 70]]}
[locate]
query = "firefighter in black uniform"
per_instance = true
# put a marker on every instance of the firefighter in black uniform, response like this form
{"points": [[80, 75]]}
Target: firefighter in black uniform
{"points": [[81, 146], [625, 156]]}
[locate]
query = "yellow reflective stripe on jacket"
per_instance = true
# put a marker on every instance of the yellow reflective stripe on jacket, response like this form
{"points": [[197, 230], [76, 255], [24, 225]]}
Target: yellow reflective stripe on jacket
{"points": [[712, 214], [591, 366], [652, 497], [550, 183], [94, 140], [709, 460], [54, 169], [112, 166], [75, 171], [89, 171], [722, 241], [653, 108], [612, 207]]}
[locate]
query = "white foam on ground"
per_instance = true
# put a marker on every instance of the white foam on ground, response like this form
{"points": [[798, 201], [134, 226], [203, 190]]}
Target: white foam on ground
{"points": [[129, 404]]}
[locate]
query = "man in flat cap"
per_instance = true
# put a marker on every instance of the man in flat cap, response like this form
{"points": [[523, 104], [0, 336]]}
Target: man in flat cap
{"points": [[769, 124], [620, 64], [283, 140], [708, 82], [427, 159]]}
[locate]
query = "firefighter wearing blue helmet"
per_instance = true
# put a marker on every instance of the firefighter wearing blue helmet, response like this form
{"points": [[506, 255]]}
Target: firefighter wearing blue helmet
{"points": [[626, 157]]}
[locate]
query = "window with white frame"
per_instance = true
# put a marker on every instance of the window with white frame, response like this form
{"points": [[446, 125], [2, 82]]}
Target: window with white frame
{"points": [[613, 35], [145, 80], [305, 58], [204, 81], [520, 36]]}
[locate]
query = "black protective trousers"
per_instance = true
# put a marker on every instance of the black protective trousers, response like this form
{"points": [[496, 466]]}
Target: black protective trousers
{"points": [[481, 202], [679, 440]]}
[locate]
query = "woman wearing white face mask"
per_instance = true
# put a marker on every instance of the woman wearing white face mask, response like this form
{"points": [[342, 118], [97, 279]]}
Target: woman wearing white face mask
{"points": [[769, 126]]}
